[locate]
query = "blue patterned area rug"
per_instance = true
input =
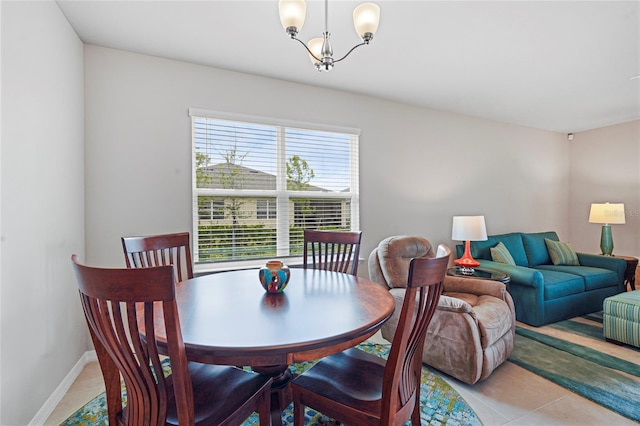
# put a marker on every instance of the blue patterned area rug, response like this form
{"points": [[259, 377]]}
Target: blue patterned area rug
{"points": [[602, 372], [440, 403]]}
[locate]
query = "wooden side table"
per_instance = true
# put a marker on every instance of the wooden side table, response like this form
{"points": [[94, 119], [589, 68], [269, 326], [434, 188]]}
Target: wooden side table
{"points": [[630, 272]]}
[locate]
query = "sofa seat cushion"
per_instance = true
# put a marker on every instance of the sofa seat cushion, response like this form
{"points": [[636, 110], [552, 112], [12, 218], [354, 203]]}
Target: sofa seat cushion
{"points": [[559, 284], [594, 278]]}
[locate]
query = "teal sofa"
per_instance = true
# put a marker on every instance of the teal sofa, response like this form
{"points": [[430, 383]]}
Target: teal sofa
{"points": [[542, 292]]}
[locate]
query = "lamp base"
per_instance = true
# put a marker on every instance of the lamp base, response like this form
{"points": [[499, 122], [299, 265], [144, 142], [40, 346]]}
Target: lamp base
{"points": [[465, 270], [466, 263], [606, 240]]}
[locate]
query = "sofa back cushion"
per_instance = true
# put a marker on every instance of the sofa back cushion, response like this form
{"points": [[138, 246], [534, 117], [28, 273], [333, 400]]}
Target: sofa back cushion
{"points": [[512, 241], [536, 248]]}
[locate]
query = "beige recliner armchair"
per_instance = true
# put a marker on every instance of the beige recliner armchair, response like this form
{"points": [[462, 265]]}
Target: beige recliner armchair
{"points": [[472, 331]]}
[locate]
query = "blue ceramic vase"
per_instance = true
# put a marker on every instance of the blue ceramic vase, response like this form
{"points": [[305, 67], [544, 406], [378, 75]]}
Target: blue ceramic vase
{"points": [[274, 277]]}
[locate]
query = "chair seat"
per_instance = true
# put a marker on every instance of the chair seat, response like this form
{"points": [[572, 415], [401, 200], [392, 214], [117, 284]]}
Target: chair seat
{"points": [[218, 391], [358, 371]]}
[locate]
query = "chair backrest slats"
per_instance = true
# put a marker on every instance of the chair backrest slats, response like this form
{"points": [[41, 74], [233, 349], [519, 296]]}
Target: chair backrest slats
{"points": [[119, 305], [160, 250], [404, 365], [332, 250]]}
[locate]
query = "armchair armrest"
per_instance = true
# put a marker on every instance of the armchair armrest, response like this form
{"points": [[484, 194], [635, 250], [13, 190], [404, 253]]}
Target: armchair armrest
{"points": [[451, 304], [474, 286]]}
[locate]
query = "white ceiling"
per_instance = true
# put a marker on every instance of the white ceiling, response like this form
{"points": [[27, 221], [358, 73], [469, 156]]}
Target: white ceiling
{"points": [[564, 66]]}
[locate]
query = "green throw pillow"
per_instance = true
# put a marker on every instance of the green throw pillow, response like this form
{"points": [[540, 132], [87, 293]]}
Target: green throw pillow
{"points": [[561, 253], [501, 254]]}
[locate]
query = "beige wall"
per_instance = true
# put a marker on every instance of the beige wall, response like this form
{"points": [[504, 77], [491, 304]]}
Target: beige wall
{"points": [[42, 200], [605, 166], [418, 167]]}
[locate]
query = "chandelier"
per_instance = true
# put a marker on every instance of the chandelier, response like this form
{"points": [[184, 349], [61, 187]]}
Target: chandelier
{"points": [[292, 14]]}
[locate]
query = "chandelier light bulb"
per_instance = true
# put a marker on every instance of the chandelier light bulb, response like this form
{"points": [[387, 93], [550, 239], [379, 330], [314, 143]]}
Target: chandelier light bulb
{"points": [[366, 18], [292, 15], [315, 47]]}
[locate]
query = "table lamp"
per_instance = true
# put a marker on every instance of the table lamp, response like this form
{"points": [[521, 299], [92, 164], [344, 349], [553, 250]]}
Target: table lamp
{"points": [[607, 214], [467, 229]]}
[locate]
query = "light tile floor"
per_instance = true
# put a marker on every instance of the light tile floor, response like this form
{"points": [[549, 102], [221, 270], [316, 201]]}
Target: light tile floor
{"points": [[510, 396], [87, 386]]}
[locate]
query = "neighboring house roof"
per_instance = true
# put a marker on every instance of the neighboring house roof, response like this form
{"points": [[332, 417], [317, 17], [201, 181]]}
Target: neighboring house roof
{"points": [[232, 176]]}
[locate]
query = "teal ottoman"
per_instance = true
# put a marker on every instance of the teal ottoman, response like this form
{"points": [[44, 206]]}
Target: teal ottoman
{"points": [[621, 318]]}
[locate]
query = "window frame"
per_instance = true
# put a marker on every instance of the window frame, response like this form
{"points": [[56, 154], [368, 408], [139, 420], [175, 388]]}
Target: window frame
{"points": [[282, 196]]}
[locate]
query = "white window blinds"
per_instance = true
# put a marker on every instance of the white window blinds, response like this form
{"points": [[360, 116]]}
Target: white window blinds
{"points": [[257, 185]]}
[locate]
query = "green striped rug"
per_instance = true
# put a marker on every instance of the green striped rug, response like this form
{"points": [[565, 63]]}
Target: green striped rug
{"points": [[611, 381], [440, 403]]}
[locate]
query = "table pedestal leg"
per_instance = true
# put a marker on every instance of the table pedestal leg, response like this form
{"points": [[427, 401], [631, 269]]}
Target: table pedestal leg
{"points": [[280, 393]]}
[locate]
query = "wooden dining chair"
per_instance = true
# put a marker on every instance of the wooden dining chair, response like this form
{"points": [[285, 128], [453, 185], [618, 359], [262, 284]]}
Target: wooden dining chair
{"points": [[116, 303], [332, 250], [157, 250], [357, 388]]}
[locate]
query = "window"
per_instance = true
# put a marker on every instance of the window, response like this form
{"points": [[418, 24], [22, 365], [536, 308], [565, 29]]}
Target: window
{"points": [[210, 208], [266, 209], [257, 184]]}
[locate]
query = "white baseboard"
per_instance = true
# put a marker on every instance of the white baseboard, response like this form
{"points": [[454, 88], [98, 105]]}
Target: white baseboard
{"points": [[52, 402]]}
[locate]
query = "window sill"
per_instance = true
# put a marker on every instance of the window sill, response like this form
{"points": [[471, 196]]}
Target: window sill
{"points": [[214, 267]]}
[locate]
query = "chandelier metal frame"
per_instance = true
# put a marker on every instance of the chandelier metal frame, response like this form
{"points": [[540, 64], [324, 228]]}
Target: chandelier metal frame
{"points": [[323, 60]]}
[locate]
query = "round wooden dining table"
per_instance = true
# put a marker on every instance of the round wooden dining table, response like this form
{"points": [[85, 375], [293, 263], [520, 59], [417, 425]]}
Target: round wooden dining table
{"points": [[228, 318]]}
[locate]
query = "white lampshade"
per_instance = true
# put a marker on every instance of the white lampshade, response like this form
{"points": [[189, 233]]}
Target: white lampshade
{"points": [[292, 13], [607, 213], [366, 18], [468, 228], [315, 45]]}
